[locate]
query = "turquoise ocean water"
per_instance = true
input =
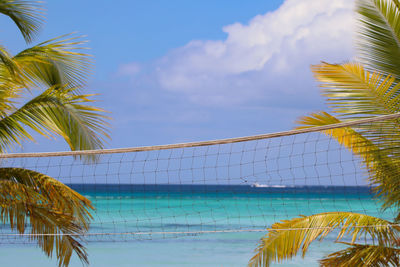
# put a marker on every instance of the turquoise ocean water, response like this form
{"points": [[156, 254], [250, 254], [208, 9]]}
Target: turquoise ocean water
{"points": [[180, 225]]}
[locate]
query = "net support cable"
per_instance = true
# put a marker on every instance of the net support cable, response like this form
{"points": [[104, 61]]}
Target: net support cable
{"points": [[201, 143]]}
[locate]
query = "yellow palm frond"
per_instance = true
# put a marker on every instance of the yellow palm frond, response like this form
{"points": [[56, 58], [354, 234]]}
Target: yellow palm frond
{"points": [[345, 136], [287, 237], [61, 196], [380, 157], [352, 92], [58, 216], [363, 255]]}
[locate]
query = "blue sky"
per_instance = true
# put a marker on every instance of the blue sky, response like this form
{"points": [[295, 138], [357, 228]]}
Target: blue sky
{"points": [[177, 71]]}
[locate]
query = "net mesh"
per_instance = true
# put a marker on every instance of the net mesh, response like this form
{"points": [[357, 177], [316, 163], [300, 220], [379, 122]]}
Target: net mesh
{"points": [[215, 187]]}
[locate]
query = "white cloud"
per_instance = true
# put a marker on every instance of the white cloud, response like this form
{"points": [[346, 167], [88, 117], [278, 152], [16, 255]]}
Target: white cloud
{"points": [[266, 59]]}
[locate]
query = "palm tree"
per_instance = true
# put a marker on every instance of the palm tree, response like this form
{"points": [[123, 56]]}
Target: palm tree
{"points": [[354, 91], [53, 73]]}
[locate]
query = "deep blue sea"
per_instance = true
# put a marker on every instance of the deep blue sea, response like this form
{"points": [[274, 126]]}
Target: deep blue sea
{"points": [[194, 225]]}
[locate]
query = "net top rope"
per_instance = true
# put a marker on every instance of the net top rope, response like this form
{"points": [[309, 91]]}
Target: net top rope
{"points": [[200, 143]]}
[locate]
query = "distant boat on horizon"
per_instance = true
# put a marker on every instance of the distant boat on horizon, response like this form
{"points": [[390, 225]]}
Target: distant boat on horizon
{"points": [[265, 185]]}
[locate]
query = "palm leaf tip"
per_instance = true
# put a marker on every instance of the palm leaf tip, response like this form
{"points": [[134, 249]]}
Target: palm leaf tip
{"points": [[27, 16]]}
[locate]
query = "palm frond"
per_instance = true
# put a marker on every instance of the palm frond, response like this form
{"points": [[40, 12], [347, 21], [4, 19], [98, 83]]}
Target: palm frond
{"points": [[379, 155], [378, 39], [346, 136], [55, 62], [27, 15], [10, 80], [287, 237], [57, 110], [352, 92], [53, 228], [363, 255], [8, 64], [57, 193]]}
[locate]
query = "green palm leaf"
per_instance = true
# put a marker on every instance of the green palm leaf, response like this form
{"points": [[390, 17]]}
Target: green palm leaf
{"points": [[286, 238], [27, 15], [9, 68], [10, 81], [55, 62], [363, 255], [379, 35], [57, 110]]}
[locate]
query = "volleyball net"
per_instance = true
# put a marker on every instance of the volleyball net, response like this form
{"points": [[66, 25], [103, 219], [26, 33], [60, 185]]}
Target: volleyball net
{"points": [[232, 185]]}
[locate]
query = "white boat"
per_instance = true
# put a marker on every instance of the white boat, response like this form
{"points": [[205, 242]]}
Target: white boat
{"points": [[265, 185], [259, 185]]}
